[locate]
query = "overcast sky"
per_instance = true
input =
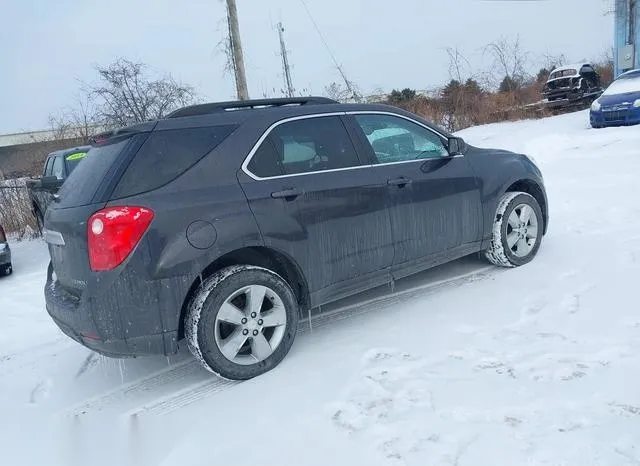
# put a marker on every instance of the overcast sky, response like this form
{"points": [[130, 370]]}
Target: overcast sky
{"points": [[47, 46]]}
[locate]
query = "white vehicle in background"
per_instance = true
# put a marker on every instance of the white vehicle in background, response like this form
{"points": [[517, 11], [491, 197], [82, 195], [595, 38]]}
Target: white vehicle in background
{"points": [[572, 86]]}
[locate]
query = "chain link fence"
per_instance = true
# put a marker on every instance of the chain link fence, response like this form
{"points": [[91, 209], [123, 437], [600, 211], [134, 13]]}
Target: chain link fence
{"points": [[16, 215]]}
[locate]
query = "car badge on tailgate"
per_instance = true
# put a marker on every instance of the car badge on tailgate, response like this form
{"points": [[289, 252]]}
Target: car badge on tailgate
{"points": [[53, 237]]}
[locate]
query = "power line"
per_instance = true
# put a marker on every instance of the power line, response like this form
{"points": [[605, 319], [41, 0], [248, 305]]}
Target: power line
{"points": [[354, 93], [315, 25]]}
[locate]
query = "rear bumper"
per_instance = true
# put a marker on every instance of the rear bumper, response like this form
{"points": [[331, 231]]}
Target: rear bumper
{"points": [[89, 323]]}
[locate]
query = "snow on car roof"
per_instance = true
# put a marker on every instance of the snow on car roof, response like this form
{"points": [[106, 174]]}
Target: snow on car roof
{"points": [[575, 66]]}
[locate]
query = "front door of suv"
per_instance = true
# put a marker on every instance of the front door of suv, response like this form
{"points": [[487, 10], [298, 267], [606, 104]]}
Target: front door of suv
{"points": [[435, 205], [317, 202]]}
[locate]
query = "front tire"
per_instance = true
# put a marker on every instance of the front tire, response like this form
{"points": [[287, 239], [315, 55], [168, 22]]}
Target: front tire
{"points": [[6, 270], [517, 230], [242, 322]]}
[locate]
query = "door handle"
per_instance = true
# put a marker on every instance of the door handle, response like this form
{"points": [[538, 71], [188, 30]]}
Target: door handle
{"points": [[399, 182], [288, 194]]}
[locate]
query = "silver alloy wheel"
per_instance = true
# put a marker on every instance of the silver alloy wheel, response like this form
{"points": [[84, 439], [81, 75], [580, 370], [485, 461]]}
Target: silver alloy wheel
{"points": [[250, 325], [522, 230]]}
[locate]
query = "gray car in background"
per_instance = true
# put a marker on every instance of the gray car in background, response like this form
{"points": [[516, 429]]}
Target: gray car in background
{"points": [[5, 254]]}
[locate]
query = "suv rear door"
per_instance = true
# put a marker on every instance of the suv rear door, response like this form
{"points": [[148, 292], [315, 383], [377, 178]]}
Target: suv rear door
{"points": [[435, 205], [314, 200]]}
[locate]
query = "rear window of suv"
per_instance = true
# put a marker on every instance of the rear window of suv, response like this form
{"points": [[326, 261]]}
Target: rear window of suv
{"points": [[83, 183], [167, 154]]}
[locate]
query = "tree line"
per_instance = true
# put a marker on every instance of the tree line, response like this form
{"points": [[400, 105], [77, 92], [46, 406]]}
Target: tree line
{"points": [[126, 92]]}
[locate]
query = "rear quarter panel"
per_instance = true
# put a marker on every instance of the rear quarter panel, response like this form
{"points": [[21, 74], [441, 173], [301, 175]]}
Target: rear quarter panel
{"points": [[208, 202]]}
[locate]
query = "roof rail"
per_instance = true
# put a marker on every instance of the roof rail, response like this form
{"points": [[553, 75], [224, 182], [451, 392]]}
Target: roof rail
{"points": [[203, 109]]}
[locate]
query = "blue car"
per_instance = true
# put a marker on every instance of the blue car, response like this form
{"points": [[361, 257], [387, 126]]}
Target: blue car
{"points": [[619, 104]]}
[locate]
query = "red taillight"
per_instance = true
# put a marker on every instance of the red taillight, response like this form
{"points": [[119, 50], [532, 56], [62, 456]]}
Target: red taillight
{"points": [[113, 233], [3, 237]]}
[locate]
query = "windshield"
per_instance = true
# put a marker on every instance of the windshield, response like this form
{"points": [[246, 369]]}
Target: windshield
{"points": [[624, 86], [72, 160]]}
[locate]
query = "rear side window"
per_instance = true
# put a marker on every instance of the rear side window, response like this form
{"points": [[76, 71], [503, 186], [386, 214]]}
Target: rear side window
{"points": [[266, 162], [165, 155]]}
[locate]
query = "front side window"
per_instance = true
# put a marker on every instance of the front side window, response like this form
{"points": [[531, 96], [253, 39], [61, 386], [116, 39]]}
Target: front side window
{"points": [[396, 139], [308, 145], [58, 168]]}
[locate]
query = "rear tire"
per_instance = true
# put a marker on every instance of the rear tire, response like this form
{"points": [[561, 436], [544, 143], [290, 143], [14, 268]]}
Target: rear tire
{"points": [[242, 322], [6, 270], [517, 230]]}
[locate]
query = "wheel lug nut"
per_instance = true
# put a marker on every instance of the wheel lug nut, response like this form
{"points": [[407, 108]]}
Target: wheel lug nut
{"points": [[245, 332], [253, 315], [255, 333], [260, 322], [244, 320]]}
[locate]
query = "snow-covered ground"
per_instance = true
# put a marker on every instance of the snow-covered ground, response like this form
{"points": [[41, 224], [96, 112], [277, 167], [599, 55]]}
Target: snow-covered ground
{"points": [[463, 365]]}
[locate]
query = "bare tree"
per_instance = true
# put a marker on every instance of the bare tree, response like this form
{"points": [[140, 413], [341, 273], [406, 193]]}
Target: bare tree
{"points": [[510, 58], [84, 117], [459, 66], [125, 94], [343, 92], [78, 122], [552, 61], [60, 125]]}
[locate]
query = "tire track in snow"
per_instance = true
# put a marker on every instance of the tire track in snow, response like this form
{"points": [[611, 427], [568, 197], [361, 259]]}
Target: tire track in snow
{"points": [[194, 393], [11, 362], [137, 388]]}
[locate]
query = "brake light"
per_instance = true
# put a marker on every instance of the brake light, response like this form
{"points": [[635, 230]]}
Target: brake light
{"points": [[3, 237], [113, 233]]}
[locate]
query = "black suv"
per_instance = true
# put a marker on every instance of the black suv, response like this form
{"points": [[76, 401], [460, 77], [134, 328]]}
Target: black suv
{"points": [[224, 223]]}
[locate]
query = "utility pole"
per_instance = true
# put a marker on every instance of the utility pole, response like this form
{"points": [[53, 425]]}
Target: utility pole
{"points": [[286, 70], [236, 47]]}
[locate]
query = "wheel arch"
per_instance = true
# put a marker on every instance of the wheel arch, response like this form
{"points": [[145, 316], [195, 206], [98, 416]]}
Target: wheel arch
{"points": [[258, 256], [532, 188]]}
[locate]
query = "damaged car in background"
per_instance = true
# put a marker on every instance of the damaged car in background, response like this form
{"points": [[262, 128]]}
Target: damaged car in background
{"points": [[572, 84]]}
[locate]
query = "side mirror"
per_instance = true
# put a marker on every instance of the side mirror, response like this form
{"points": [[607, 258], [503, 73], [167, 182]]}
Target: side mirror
{"points": [[456, 146], [50, 182]]}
